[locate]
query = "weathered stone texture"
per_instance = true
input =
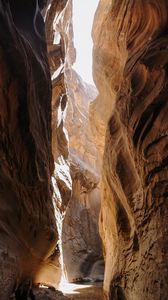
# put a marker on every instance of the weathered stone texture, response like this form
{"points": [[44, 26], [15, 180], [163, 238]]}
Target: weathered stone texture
{"points": [[130, 71], [29, 235], [57, 20], [27, 221], [82, 248]]}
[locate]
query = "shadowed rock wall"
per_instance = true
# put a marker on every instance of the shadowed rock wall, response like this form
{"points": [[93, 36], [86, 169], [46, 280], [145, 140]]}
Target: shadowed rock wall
{"points": [[28, 242], [130, 71], [27, 221]]}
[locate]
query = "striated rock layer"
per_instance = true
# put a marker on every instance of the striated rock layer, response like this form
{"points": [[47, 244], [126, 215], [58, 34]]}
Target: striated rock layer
{"points": [[27, 221], [82, 251], [57, 21], [130, 71], [29, 249], [82, 248]]}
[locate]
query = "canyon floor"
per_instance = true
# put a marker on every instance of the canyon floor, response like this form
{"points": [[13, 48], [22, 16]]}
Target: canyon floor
{"points": [[69, 292], [84, 291]]}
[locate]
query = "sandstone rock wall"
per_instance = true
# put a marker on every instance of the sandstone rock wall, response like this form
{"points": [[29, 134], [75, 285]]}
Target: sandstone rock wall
{"points": [[58, 22], [130, 71], [81, 157], [83, 210], [82, 249], [27, 221], [29, 250]]}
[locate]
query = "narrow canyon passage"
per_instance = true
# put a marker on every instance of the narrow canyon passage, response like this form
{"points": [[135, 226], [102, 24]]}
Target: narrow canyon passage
{"points": [[81, 247], [83, 166], [81, 243]]}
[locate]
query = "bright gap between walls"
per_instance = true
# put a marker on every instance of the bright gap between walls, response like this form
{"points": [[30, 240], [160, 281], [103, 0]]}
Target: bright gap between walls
{"points": [[83, 15]]}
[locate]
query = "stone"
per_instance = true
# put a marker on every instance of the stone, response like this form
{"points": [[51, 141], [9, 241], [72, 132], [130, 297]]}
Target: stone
{"points": [[130, 72], [31, 191], [27, 219], [82, 249], [56, 22]]}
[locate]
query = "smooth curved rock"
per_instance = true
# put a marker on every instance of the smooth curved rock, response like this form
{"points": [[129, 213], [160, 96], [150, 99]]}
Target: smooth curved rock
{"points": [[130, 71], [56, 23], [27, 220]]}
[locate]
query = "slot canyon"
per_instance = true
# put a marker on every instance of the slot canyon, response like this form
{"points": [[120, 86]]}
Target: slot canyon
{"points": [[84, 168]]}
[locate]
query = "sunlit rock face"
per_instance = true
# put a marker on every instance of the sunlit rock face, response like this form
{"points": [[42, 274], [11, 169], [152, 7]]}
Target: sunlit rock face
{"points": [[27, 222], [58, 22], [29, 249], [130, 71], [82, 249]]}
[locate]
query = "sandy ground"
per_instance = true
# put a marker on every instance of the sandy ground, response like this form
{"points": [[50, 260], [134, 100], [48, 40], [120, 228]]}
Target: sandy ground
{"points": [[84, 292]]}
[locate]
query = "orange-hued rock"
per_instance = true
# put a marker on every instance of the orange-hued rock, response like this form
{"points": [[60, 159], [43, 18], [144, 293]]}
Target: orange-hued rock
{"points": [[130, 71], [80, 237], [58, 20], [56, 32], [82, 150], [28, 207], [27, 220], [82, 249]]}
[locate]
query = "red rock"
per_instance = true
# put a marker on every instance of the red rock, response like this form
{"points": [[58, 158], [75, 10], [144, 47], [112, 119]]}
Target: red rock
{"points": [[130, 71]]}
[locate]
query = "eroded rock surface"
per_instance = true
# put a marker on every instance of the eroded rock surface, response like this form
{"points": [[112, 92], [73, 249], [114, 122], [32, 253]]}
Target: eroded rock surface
{"points": [[27, 221], [83, 156], [130, 71], [82, 249], [57, 20], [29, 235]]}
